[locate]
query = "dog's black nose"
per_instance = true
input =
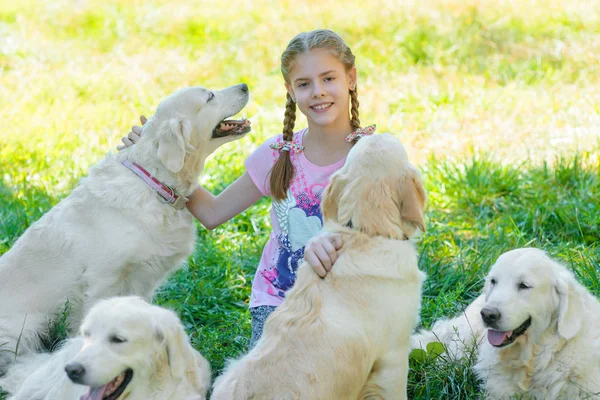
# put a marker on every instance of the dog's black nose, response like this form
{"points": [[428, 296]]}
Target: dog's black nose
{"points": [[75, 371], [490, 315], [244, 87]]}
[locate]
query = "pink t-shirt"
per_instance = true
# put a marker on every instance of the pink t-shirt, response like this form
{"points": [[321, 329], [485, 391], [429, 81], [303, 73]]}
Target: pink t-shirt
{"points": [[294, 220]]}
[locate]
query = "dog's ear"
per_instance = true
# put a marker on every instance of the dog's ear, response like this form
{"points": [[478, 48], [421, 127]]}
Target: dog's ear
{"points": [[173, 141], [570, 305], [412, 199], [331, 197], [185, 363]]}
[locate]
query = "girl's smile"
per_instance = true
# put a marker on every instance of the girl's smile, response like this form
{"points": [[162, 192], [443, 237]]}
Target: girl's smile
{"points": [[321, 107]]}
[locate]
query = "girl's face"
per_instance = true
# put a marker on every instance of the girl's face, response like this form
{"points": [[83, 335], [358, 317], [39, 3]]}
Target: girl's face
{"points": [[320, 84]]}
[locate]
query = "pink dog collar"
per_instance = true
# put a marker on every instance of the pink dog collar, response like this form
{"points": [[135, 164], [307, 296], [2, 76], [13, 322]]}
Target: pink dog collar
{"points": [[169, 195]]}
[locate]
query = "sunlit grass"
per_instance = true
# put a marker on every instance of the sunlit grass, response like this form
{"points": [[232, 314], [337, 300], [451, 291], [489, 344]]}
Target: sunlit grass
{"points": [[497, 102]]}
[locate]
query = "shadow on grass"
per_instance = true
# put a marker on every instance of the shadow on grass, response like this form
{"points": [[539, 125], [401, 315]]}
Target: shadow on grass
{"points": [[210, 293]]}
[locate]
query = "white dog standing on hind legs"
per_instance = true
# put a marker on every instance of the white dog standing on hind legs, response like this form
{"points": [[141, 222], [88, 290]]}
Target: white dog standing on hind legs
{"points": [[347, 336], [127, 349], [114, 235], [537, 331]]}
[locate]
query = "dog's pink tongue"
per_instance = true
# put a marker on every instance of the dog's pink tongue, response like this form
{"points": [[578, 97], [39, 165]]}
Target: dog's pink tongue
{"points": [[94, 394], [496, 338]]}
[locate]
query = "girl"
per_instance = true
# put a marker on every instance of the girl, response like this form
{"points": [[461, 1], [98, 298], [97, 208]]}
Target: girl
{"points": [[293, 168]]}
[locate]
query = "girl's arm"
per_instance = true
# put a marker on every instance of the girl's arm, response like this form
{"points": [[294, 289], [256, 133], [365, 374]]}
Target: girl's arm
{"points": [[213, 210]]}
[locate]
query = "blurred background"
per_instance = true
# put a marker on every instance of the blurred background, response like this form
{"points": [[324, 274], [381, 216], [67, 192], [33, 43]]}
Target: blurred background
{"points": [[497, 102]]}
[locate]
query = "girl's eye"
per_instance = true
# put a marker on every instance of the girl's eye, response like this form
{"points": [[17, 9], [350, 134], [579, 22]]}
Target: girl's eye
{"points": [[303, 85], [211, 96], [524, 286], [329, 78]]}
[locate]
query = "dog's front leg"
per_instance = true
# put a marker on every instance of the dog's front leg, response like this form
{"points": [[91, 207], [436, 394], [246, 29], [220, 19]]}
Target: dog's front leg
{"points": [[388, 377]]}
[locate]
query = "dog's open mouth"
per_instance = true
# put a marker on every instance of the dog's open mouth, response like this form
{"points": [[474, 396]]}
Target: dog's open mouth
{"points": [[231, 127], [501, 339], [112, 390]]}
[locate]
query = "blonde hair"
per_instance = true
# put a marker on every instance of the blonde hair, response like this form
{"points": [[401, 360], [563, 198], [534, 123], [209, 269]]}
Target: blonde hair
{"points": [[282, 172]]}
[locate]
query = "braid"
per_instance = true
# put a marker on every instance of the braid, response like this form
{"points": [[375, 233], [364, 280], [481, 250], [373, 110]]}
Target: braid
{"points": [[354, 120], [289, 119], [283, 170]]}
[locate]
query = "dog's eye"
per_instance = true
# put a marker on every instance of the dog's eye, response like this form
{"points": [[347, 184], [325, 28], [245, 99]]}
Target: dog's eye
{"points": [[211, 96], [493, 281], [117, 339], [523, 286]]}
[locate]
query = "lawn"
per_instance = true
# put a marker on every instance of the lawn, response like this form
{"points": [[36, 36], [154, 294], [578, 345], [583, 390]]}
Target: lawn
{"points": [[496, 102]]}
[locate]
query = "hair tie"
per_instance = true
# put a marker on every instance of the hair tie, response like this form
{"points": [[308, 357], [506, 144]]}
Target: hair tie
{"points": [[287, 145], [360, 132]]}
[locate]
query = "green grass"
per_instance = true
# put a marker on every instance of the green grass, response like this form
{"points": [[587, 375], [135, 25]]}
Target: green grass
{"points": [[497, 103]]}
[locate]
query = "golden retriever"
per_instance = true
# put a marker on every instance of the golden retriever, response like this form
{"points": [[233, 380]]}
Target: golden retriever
{"points": [[113, 235], [127, 349], [347, 336], [537, 331]]}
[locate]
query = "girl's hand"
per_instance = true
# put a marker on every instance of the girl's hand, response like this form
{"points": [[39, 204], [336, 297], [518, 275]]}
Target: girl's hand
{"points": [[133, 136], [321, 252]]}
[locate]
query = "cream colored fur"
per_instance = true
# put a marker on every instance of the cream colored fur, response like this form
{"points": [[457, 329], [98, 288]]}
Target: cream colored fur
{"points": [[347, 336], [558, 357], [113, 235]]}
